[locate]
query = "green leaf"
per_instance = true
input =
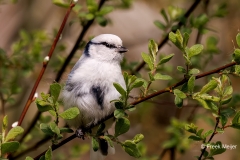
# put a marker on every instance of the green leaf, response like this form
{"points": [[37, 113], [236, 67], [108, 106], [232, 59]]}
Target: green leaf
{"points": [[172, 37], [199, 132], [195, 138], [178, 101], [136, 84], [164, 14], [208, 97], [138, 138], [95, 144], [122, 126], [162, 77], [119, 105], [228, 112], [13, 133], [9, 147], [191, 84], [236, 121], [195, 50], [48, 154], [181, 69], [43, 106], [179, 93], [153, 48], [60, 3], [4, 123], [46, 129], [70, 113], [105, 10], [238, 39], [236, 56], [102, 21], [194, 71], [148, 60], [101, 128], [120, 89], [185, 39], [160, 25], [179, 43], [66, 130], [218, 149], [223, 120], [55, 90], [119, 113], [212, 84], [208, 133], [131, 148], [54, 128], [191, 128], [29, 158], [207, 104], [165, 59]]}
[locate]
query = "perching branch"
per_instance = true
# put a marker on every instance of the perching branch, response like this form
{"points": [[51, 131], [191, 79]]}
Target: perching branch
{"points": [[163, 41], [168, 89], [44, 66]]}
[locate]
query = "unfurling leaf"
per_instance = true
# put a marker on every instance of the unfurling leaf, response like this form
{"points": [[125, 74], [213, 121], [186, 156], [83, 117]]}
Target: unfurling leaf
{"points": [[138, 138], [131, 148], [212, 84]]}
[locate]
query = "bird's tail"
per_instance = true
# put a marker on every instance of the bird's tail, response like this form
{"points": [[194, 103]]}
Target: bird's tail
{"points": [[103, 151]]}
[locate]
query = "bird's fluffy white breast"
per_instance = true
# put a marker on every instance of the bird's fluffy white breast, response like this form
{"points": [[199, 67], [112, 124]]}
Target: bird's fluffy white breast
{"points": [[93, 72]]}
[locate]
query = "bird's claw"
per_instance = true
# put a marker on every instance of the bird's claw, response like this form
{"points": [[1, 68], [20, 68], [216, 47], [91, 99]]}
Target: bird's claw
{"points": [[80, 133]]}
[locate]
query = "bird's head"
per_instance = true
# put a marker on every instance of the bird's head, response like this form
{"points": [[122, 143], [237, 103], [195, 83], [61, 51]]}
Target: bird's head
{"points": [[105, 47]]}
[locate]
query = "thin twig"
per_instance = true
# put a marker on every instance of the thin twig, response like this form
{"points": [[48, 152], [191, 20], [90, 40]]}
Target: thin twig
{"points": [[168, 89], [162, 43], [214, 132], [44, 66]]}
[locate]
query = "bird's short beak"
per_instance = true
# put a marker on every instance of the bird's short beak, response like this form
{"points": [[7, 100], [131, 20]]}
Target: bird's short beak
{"points": [[122, 49]]}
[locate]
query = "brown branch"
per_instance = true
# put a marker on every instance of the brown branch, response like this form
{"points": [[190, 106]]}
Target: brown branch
{"points": [[45, 63], [162, 43], [168, 89]]}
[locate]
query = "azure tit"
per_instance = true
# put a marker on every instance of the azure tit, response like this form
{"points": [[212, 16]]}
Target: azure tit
{"points": [[90, 86]]}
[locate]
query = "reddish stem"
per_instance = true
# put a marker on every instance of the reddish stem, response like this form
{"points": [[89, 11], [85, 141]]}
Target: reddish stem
{"points": [[31, 96]]}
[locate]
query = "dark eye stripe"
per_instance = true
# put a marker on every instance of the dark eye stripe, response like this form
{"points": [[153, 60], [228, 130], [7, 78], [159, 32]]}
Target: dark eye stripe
{"points": [[108, 45]]}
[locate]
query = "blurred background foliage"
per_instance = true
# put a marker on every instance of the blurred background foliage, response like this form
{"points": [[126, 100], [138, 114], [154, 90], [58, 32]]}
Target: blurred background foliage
{"points": [[28, 28]]}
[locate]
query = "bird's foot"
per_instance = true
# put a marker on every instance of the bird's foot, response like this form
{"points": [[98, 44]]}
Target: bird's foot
{"points": [[80, 133]]}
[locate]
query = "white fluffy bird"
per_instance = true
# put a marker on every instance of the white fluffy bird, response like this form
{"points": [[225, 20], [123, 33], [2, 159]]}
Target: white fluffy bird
{"points": [[90, 85]]}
